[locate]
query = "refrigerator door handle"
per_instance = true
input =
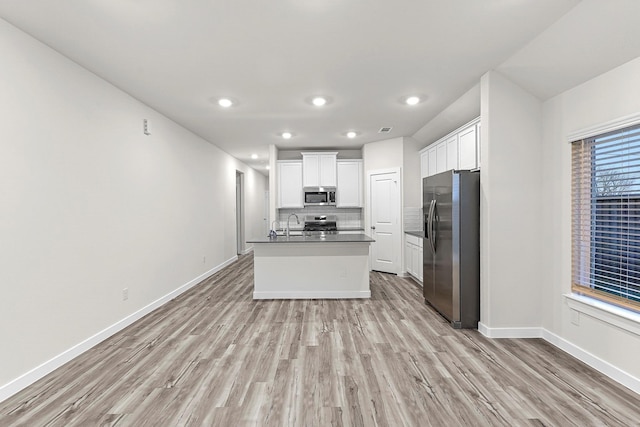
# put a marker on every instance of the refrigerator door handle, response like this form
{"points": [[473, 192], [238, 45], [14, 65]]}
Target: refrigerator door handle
{"points": [[432, 236], [434, 220], [428, 225]]}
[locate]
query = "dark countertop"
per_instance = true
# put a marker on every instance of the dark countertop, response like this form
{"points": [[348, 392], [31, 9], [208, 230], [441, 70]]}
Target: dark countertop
{"points": [[330, 238], [415, 233]]}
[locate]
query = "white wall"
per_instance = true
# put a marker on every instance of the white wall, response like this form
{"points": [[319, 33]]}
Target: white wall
{"points": [[255, 186], [511, 204], [90, 205], [458, 113], [297, 154], [411, 179], [611, 96], [400, 153], [383, 154]]}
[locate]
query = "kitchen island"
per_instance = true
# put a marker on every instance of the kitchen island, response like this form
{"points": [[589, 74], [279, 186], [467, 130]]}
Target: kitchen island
{"points": [[311, 267]]}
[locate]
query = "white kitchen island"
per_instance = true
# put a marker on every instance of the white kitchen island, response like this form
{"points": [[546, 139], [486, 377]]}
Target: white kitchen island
{"points": [[311, 267]]}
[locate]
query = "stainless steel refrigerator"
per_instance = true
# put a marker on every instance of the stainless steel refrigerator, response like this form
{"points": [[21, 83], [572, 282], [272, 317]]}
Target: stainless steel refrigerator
{"points": [[451, 275]]}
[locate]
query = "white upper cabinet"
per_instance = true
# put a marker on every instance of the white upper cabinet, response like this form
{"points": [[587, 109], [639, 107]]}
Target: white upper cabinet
{"points": [[452, 153], [424, 163], [458, 150], [310, 170], [290, 184], [328, 173], [478, 139], [319, 169], [349, 188], [441, 157], [468, 147], [433, 161]]}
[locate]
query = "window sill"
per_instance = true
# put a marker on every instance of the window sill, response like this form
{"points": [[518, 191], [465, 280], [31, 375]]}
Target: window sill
{"points": [[620, 317]]}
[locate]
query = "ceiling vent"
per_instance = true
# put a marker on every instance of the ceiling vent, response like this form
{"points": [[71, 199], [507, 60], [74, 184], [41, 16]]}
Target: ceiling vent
{"points": [[384, 130]]}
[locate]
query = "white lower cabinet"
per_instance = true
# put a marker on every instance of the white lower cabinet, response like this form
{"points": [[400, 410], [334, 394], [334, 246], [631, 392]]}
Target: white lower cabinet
{"points": [[417, 262], [413, 256]]}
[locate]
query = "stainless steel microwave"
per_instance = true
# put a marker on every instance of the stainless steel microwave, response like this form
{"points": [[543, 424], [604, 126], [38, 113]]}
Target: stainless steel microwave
{"points": [[319, 196]]}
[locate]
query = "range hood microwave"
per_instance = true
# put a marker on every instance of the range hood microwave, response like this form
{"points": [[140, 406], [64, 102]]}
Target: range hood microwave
{"points": [[319, 196]]}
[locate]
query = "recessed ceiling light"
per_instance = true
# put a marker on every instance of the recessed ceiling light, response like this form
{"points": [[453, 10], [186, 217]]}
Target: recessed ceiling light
{"points": [[287, 135], [319, 101], [225, 102], [351, 134], [254, 156], [412, 100]]}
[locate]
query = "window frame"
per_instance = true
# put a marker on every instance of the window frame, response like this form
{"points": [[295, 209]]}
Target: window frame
{"points": [[580, 234]]}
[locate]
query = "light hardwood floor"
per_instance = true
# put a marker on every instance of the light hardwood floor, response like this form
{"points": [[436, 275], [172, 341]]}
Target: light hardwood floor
{"points": [[213, 356]]}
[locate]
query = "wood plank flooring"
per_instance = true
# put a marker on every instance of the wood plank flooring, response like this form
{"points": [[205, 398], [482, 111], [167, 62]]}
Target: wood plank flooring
{"points": [[213, 356]]}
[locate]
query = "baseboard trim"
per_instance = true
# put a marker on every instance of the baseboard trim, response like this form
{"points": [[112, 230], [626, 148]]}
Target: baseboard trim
{"points": [[509, 332], [23, 381], [611, 371], [312, 295], [595, 362]]}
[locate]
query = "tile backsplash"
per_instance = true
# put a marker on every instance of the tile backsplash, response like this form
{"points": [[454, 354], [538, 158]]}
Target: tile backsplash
{"points": [[346, 217], [412, 219]]}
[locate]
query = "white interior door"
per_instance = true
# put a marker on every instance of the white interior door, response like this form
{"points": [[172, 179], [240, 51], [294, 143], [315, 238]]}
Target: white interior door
{"points": [[384, 205]]}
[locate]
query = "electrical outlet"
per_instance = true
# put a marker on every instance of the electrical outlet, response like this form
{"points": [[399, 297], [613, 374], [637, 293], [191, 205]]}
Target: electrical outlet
{"points": [[575, 317], [125, 294]]}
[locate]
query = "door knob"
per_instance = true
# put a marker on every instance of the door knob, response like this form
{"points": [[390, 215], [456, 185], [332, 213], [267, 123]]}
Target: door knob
{"points": [[373, 227]]}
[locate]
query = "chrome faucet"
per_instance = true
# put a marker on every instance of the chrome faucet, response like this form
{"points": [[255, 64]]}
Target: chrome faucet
{"points": [[297, 220]]}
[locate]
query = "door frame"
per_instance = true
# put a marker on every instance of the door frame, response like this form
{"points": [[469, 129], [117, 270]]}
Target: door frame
{"points": [[398, 241]]}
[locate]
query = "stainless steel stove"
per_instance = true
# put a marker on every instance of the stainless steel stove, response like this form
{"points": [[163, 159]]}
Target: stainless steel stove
{"points": [[320, 225]]}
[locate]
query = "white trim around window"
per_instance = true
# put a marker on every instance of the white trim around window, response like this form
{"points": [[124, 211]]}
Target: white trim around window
{"points": [[622, 318], [622, 122]]}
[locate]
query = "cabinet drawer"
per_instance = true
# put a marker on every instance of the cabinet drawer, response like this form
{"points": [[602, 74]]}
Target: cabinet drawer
{"points": [[414, 240]]}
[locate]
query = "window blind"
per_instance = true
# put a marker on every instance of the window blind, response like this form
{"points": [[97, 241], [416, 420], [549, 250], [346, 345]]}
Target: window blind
{"points": [[606, 217]]}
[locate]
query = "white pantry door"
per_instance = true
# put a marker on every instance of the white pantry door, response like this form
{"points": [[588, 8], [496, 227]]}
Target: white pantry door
{"points": [[384, 206]]}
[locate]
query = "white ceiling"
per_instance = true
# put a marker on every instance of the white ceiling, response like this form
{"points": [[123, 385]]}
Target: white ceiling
{"points": [[271, 56]]}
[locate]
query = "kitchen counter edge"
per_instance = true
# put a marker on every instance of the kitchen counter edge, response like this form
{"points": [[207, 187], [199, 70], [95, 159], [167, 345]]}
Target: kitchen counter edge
{"points": [[331, 238], [415, 233]]}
